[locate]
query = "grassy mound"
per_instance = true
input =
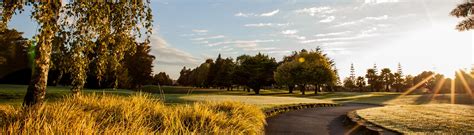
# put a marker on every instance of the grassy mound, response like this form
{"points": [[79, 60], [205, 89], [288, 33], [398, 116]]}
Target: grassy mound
{"points": [[431, 118], [137, 114]]}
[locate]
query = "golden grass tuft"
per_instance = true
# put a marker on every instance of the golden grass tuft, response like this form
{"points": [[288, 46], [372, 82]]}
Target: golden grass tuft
{"points": [[137, 114]]}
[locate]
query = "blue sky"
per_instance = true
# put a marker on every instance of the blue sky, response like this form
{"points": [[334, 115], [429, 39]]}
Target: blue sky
{"points": [[417, 33]]}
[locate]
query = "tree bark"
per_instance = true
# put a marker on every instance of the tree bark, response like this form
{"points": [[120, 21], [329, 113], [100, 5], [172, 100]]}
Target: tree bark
{"points": [[303, 88], [290, 88], [316, 89], [257, 91], [47, 16]]}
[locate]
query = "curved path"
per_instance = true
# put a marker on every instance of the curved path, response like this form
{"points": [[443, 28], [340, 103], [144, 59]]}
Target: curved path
{"points": [[316, 121]]}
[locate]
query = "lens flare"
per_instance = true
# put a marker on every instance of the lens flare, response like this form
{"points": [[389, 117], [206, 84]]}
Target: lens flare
{"points": [[438, 87], [417, 85], [464, 83], [453, 91], [301, 60]]}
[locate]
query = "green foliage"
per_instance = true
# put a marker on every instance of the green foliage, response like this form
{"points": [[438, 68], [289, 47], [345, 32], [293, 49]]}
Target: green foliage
{"points": [[13, 51], [225, 73], [387, 78], [101, 31], [139, 66], [162, 79], [307, 68], [285, 74], [256, 71]]}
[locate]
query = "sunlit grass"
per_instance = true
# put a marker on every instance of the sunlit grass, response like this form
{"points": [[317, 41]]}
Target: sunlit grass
{"points": [[432, 118], [137, 114], [261, 101]]}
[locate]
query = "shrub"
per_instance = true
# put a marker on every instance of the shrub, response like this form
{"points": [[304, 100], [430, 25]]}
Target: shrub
{"points": [[137, 114]]}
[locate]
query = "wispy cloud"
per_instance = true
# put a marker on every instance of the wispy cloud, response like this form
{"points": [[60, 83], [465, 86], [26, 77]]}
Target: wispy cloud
{"points": [[272, 13], [259, 49], [267, 25], [208, 38], [316, 10], [240, 42], [167, 55], [378, 18], [267, 14], [289, 32], [325, 37], [333, 34], [200, 31], [225, 49], [380, 1], [328, 19]]}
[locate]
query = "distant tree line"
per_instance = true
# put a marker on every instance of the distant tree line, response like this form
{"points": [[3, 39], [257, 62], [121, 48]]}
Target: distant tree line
{"points": [[427, 81], [303, 69]]}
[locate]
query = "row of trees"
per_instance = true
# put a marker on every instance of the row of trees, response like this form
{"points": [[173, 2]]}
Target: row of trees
{"points": [[304, 69], [253, 72], [134, 70], [396, 81], [385, 80]]}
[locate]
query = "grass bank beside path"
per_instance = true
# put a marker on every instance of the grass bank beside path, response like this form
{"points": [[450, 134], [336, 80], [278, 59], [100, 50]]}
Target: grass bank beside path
{"points": [[430, 118]]}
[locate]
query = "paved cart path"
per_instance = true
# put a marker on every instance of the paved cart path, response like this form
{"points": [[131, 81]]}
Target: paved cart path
{"points": [[315, 121]]}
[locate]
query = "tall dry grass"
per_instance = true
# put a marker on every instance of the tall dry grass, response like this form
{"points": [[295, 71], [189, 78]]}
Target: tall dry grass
{"points": [[137, 114]]}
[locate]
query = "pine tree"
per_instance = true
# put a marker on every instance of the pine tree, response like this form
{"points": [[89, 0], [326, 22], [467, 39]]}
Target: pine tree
{"points": [[464, 11], [353, 77], [399, 70]]}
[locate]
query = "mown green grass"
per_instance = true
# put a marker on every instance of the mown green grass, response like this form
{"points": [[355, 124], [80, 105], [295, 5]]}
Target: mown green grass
{"points": [[261, 101], [426, 119], [14, 94]]}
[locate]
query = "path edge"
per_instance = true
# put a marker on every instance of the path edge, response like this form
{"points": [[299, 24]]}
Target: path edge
{"points": [[286, 108], [361, 122]]}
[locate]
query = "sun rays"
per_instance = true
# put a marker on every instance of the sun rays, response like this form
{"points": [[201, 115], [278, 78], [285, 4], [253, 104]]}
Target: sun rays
{"points": [[416, 86], [464, 83], [462, 80]]}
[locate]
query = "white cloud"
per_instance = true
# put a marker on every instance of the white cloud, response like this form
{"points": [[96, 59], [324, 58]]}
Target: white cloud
{"points": [[289, 32], [380, 1], [316, 10], [267, 14], [200, 31], [272, 13], [225, 49], [297, 37], [167, 55], [259, 49], [240, 42], [333, 34], [365, 19], [363, 34], [240, 14], [267, 25], [308, 41], [358, 36], [207, 38], [277, 52], [328, 19], [384, 17]]}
